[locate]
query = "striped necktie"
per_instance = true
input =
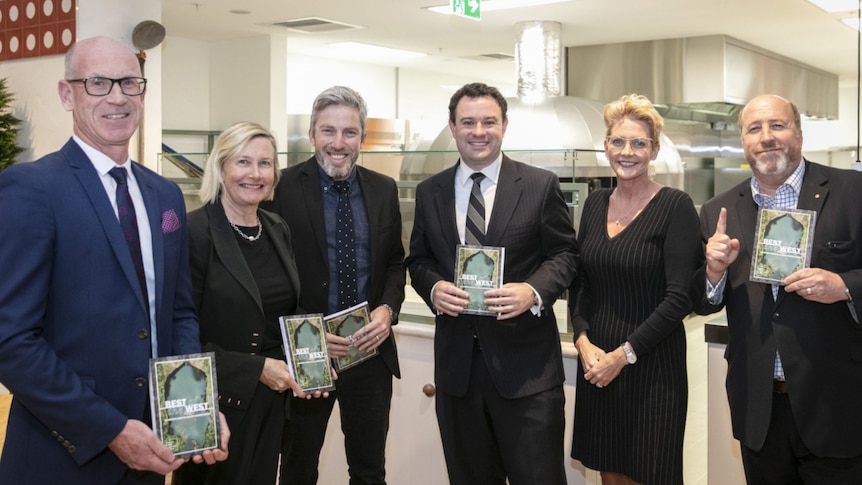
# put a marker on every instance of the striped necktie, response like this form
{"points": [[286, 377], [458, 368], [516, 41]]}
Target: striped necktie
{"points": [[474, 233]]}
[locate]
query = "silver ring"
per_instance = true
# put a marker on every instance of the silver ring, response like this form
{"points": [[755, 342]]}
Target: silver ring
{"points": [[808, 290], [378, 337], [599, 386]]}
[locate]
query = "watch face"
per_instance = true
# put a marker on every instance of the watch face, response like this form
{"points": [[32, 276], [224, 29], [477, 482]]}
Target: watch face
{"points": [[630, 356]]}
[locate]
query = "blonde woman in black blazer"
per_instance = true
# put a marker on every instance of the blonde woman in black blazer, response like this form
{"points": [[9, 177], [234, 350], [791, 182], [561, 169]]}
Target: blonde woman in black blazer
{"points": [[243, 278]]}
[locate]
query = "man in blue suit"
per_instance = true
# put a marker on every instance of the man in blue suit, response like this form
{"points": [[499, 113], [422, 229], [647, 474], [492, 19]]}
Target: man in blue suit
{"points": [[80, 315]]}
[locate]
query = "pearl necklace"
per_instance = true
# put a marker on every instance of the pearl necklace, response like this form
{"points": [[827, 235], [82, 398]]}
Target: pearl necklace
{"points": [[632, 207], [246, 236]]}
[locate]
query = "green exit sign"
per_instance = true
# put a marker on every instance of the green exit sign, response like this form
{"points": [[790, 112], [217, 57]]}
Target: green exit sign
{"points": [[466, 8]]}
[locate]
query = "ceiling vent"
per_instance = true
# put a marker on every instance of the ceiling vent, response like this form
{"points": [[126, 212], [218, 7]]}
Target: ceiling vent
{"points": [[494, 56], [313, 25]]}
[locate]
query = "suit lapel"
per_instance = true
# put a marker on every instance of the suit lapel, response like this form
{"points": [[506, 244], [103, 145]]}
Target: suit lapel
{"points": [[286, 258], [371, 194], [444, 196], [89, 179], [746, 220], [309, 184], [152, 207], [814, 189], [508, 194], [229, 252]]}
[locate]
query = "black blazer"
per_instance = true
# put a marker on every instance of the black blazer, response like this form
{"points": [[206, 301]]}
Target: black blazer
{"points": [[820, 345], [530, 219], [232, 327], [299, 200]]}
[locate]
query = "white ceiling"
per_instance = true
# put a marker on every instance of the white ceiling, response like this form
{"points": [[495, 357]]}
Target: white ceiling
{"points": [[793, 28]]}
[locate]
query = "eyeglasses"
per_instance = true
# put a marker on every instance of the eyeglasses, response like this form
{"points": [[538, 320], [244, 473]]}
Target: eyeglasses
{"points": [[618, 143], [102, 86]]}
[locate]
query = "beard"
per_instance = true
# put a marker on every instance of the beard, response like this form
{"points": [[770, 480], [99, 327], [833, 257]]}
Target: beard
{"points": [[337, 173], [771, 163]]}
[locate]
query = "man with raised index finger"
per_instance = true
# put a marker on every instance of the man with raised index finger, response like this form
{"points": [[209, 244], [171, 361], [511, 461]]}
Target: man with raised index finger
{"points": [[794, 377]]}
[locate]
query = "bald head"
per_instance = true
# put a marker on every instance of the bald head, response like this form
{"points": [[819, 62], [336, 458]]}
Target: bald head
{"points": [[105, 122], [771, 139], [773, 101], [94, 46]]}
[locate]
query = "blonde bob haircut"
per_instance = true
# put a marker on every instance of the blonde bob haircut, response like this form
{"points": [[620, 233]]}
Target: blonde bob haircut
{"points": [[634, 107], [228, 144]]}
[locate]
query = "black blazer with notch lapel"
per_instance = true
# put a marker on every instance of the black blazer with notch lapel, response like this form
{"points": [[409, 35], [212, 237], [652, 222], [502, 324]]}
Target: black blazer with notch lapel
{"points": [[530, 219], [820, 345], [299, 200], [233, 326]]}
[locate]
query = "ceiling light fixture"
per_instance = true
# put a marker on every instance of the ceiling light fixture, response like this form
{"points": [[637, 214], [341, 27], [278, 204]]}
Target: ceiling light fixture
{"points": [[368, 52], [491, 5], [832, 6], [851, 22]]}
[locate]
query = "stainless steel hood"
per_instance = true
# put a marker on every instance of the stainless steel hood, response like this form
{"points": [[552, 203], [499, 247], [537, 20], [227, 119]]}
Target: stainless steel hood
{"points": [[545, 129], [701, 79]]}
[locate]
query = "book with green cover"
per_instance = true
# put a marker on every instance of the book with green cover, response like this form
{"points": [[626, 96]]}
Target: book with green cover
{"points": [[782, 244], [478, 269], [348, 323], [184, 403], [304, 339]]}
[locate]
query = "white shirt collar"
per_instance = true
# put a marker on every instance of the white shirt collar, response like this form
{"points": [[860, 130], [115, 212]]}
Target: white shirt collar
{"points": [[491, 171], [102, 162]]}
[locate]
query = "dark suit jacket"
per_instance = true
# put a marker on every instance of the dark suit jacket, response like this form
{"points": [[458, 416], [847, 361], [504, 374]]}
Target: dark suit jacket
{"points": [[74, 332], [531, 221], [228, 301], [299, 200], [820, 345]]}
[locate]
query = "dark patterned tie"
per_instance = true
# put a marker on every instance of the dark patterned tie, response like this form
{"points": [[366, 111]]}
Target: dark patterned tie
{"points": [[474, 233], [345, 248], [129, 224]]}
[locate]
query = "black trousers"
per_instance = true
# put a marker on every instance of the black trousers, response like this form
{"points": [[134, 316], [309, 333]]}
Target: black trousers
{"points": [[364, 395], [487, 438], [785, 460]]}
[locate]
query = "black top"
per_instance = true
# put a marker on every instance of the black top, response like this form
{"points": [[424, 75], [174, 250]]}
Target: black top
{"points": [[277, 294]]}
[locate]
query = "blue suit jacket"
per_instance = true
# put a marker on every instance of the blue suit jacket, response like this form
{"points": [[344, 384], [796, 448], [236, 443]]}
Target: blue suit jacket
{"points": [[74, 334]]}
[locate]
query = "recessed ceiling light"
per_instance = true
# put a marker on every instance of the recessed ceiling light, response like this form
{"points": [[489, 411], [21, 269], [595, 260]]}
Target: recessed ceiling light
{"points": [[241, 12], [491, 5], [837, 5], [852, 22], [368, 52]]}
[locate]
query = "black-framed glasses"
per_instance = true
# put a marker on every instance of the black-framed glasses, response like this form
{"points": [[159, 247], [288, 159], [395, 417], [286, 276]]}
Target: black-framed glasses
{"points": [[102, 86], [618, 143]]}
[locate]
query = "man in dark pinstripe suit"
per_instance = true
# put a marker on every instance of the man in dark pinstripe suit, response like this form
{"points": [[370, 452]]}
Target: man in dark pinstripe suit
{"points": [[499, 379]]}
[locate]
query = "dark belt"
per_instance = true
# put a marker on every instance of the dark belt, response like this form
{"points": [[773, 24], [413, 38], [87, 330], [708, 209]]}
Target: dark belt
{"points": [[779, 387]]}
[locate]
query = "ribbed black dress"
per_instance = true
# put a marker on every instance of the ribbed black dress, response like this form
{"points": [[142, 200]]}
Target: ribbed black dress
{"points": [[635, 287]]}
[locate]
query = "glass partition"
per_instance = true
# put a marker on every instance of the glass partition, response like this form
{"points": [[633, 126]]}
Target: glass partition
{"points": [[408, 168]]}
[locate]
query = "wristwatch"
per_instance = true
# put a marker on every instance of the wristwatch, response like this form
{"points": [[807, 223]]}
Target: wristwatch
{"points": [[631, 358], [393, 315]]}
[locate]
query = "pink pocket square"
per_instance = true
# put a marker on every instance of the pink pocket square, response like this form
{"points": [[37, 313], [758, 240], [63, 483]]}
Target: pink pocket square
{"points": [[170, 221]]}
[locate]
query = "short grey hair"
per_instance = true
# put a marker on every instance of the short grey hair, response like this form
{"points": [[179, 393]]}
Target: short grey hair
{"points": [[340, 96]]}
